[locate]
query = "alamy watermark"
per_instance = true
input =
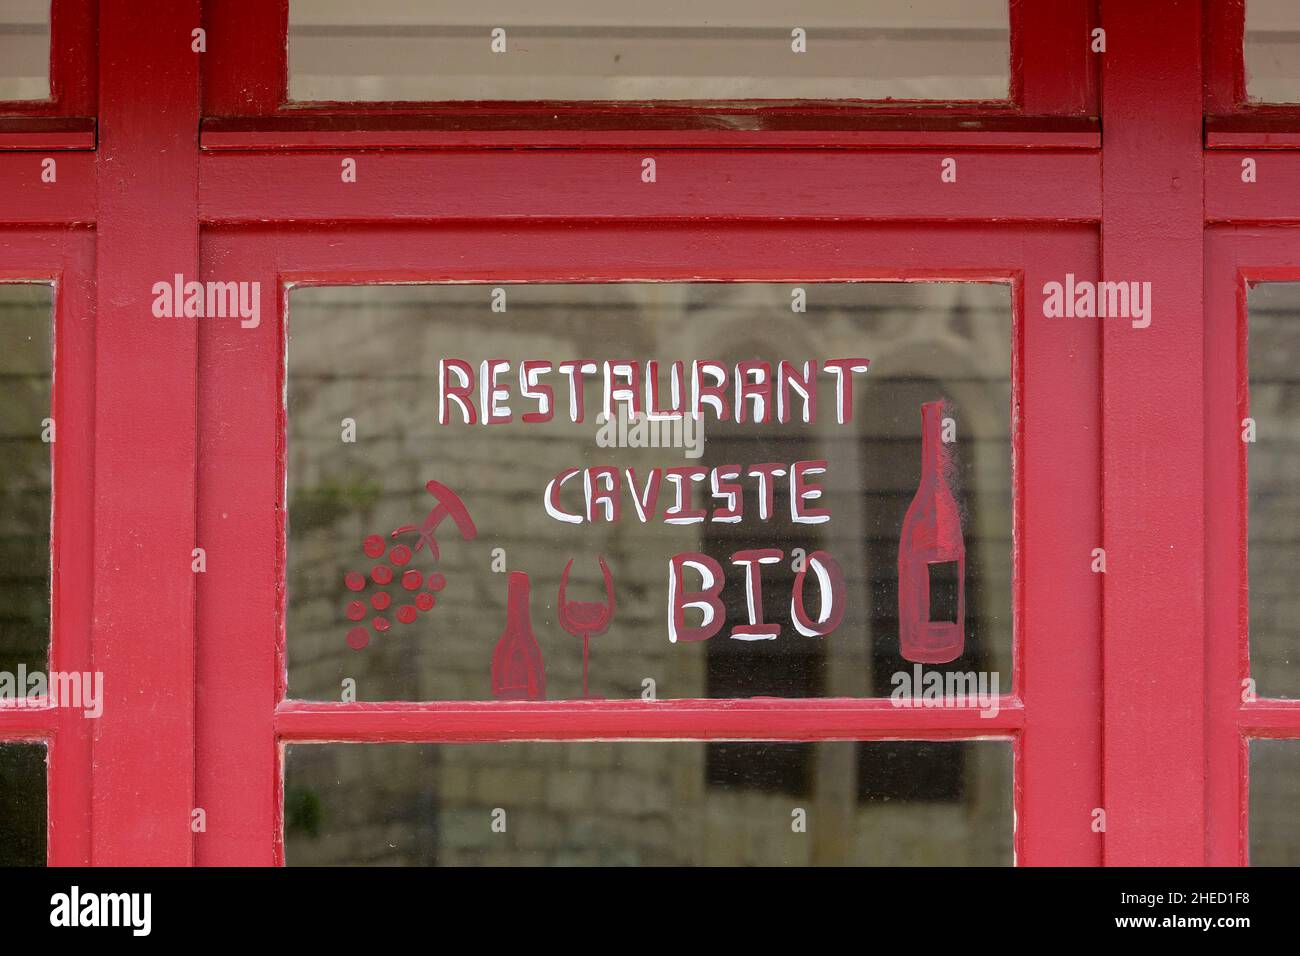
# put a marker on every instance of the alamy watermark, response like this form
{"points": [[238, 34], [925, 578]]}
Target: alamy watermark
{"points": [[208, 300], [77, 690], [1084, 299], [626, 429], [922, 688]]}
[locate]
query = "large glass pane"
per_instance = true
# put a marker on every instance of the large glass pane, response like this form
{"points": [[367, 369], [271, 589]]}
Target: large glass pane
{"points": [[25, 417], [641, 803], [369, 601], [669, 50], [25, 50], [1275, 802], [1274, 462], [22, 804]]}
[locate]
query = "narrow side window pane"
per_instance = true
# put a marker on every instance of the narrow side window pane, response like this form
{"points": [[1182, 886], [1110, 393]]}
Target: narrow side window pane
{"points": [[1272, 440], [27, 433]]}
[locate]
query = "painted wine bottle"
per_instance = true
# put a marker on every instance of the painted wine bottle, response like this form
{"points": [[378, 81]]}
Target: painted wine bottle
{"points": [[517, 672], [932, 558]]}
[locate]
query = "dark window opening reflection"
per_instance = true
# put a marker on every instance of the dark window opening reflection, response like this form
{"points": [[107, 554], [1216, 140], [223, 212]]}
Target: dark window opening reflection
{"points": [[22, 805], [26, 370]]}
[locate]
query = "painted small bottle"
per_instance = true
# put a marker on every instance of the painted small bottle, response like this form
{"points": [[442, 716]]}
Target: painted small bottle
{"points": [[931, 550], [517, 672]]}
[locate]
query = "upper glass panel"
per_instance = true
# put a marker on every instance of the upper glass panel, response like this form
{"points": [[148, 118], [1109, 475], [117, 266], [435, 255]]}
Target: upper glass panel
{"points": [[603, 50], [26, 430], [25, 50], [1273, 445], [882, 502], [1273, 51]]}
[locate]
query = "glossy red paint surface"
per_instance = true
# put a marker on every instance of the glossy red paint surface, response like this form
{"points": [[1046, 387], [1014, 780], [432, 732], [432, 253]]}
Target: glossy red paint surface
{"points": [[1153, 393], [1126, 691], [241, 510], [143, 633]]}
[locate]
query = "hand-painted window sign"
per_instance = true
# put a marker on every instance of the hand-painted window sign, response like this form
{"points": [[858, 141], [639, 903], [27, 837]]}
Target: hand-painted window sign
{"points": [[687, 490], [756, 391]]}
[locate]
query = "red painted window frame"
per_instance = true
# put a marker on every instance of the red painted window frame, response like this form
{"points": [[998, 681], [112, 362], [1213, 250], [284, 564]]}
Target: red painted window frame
{"points": [[1236, 257], [1250, 237], [242, 376], [1052, 102], [271, 164], [64, 259], [1232, 119], [1165, 757]]}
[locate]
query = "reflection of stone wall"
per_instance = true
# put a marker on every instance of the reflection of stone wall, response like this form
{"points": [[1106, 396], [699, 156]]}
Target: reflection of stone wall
{"points": [[26, 368], [1274, 554], [371, 354], [635, 803]]}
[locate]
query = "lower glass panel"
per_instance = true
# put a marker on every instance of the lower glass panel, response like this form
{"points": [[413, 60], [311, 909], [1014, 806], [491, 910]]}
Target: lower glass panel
{"points": [[1274, 798], [649, 803], [22, 805]]}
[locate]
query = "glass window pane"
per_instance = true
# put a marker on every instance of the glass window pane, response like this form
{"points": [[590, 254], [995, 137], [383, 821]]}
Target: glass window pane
{"points": [[642, 803], [1272, 51], [22, 804], [1274, 461], [1274, 799], [368, 600], [671, 50], [25, 50], [25, 366]]}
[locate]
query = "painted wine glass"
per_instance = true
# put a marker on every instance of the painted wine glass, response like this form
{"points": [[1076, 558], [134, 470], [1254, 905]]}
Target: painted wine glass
{"points": [[586, 619]]}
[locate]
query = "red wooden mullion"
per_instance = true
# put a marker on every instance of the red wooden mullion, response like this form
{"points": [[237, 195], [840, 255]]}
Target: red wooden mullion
{"points": [[1054, 71], [1154, 510], [70, 765], [245, 68], [1225, 68], [392, 187], [835, 719], [144, 524]]}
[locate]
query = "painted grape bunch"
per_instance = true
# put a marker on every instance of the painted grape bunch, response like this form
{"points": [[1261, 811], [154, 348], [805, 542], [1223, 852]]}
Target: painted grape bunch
{"points": [[390, 591]]}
